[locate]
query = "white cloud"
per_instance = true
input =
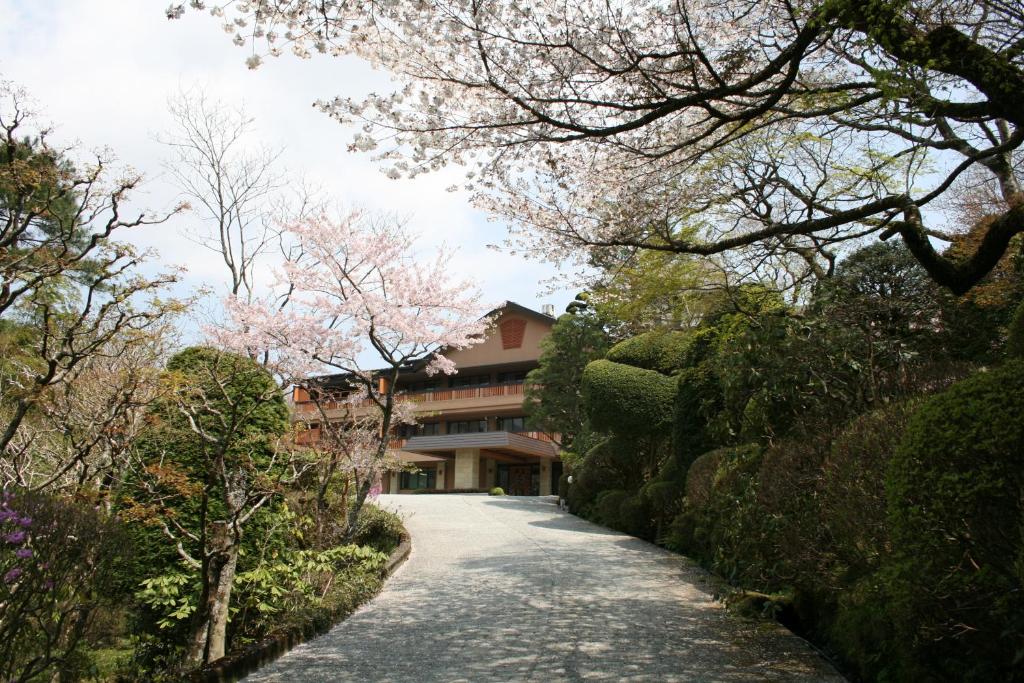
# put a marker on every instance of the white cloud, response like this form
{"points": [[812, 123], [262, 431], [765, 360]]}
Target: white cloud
{"points": [[103, 70]]}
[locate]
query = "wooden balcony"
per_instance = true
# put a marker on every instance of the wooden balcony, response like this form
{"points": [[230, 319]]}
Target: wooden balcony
{"points": [[456, 398]]}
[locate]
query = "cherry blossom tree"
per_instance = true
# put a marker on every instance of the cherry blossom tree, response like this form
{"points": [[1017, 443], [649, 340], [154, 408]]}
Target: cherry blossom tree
{"points": [[343, 436], [700, 127], [361, 290]]}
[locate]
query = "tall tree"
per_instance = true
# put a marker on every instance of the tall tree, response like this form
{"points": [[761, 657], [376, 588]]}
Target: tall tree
{"points": [[699, 127], [552, 398], [230, 184], [209, 464], [70, 294]]}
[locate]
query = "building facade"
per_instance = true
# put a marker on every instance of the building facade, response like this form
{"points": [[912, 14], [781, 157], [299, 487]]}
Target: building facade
{"points": [[472, 429]]}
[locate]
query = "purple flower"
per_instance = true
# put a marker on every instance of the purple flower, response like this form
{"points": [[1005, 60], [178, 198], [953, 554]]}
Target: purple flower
{"points": [[12, 576], [24, 553], [25, 522], [6, 515], [15, 537]]}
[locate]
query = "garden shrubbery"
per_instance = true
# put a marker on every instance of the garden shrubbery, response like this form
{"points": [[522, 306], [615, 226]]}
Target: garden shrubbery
{"points": [[634, 400], [59, 560], [850, 466], [956, 491]]}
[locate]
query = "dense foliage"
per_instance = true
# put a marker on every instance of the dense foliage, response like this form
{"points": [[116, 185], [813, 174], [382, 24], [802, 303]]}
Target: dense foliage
{"points": [[59, 561], [795, 451], [552, 399], [955, 489]]}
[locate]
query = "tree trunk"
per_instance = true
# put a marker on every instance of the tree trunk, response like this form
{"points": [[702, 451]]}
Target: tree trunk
{"points": [[210, 634], [357, 506]]}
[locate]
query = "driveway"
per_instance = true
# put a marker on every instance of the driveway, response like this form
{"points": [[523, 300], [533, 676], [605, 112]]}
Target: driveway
{"points": [[512, 589]]}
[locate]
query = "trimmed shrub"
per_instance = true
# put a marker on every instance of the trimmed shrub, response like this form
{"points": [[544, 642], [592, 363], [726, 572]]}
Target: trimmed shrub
{"points": [[661, 351], [497, 491], [608, 505], [633, 517], [700, 478], [852, 489], [664, 499], [955, 490], [720, 490], [628, 400], [698, 401]]}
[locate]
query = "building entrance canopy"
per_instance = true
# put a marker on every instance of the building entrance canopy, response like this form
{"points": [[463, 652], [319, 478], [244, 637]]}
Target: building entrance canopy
{"points": [[515, 447]]}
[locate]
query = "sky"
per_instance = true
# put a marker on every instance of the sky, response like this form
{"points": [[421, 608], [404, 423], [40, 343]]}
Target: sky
{"points": [[102, 71]]}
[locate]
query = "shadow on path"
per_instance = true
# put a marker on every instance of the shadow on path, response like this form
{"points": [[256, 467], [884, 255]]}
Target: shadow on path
{"points": [[515, 590]]}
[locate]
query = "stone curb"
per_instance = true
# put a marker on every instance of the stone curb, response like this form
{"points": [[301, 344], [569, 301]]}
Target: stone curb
{"points": [[235, 667]]}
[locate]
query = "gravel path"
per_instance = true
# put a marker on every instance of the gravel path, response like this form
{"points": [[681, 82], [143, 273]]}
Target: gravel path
{"points": [[512, 589]]}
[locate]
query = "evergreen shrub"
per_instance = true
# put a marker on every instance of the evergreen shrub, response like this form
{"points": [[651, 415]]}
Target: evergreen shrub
{"points": [[628, 400], [661, 351], [956, 491]]}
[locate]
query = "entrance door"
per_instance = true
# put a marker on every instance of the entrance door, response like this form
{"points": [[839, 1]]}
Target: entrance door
{"points": [[519, 480]]}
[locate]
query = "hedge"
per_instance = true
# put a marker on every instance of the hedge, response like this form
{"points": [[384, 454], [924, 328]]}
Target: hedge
{"points": [[956, 589], [698, 401], [628, 400], [661, 351]]}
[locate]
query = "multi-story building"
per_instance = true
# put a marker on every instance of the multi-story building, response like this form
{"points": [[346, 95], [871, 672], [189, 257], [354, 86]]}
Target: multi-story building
{"points": [[472, 430]]}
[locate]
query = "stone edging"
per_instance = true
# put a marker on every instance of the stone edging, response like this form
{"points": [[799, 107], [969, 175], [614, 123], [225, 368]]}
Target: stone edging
{"points": [[234, 667]]}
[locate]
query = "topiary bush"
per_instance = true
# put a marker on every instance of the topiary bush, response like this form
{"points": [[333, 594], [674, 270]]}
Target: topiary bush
{"points": [[955, 487], [852, 490], [497, 491], [661, 351], [698, 401], [608, 506], [720, 491], [700, 478], [628, 400]]}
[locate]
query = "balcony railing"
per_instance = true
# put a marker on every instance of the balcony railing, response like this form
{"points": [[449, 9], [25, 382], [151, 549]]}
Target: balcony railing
{"points": [[450, 394], [310, 437]]}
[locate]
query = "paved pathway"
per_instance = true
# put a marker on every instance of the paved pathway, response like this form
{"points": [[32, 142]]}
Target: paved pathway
{"points": [[512, 589]]}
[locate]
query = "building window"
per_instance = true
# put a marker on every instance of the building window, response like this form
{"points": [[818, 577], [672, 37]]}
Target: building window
{"points": [[406, 431], [512, 377], [467, 426], [424, 479], [470, 381], [426, 385], [511, 424]]}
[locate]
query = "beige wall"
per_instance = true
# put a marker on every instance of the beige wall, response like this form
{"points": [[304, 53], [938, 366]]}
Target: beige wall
{"points": [[545, 478], [467, 468], [490, 352]]}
